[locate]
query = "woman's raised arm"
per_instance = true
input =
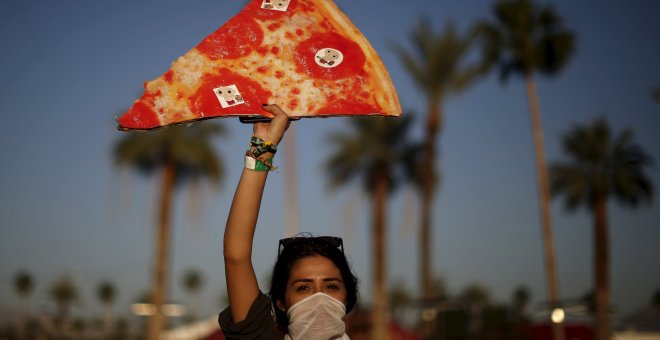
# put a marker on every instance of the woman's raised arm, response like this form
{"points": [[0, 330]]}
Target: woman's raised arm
{"points": [[242, 286]]}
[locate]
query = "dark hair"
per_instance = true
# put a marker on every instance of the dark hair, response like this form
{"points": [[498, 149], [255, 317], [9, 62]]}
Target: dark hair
{"points": [[308, 246]]}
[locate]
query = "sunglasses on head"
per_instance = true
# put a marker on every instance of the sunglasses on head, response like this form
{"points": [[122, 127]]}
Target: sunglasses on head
{"points": [[297, 241]]}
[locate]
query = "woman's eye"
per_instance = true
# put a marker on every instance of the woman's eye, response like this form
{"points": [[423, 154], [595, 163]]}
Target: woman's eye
{"points": [[302, 288], [334, 287]]}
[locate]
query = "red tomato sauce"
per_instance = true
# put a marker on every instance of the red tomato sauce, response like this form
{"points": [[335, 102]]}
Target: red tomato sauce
{"points": [[168, 76], [305, 6], [352, 65], [263, 50], [204, 102], [343, 106], [237, 38], [274, 26], [293, 104], [139, 116]]}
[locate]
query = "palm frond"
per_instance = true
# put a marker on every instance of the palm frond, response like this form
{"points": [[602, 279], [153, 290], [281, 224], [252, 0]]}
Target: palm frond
{"points": [[656, 94], [416, 71], [553, 52], [600, 166], [532, 38], [436, 62], [570, 181], [490, 40], [370, 145], [188, 148]]}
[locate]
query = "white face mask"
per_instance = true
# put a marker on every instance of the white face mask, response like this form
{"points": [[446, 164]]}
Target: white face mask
{"points": [[318, 316]]}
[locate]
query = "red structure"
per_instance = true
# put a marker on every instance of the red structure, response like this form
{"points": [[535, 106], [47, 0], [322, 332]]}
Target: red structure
{"points": [[573, 332]]}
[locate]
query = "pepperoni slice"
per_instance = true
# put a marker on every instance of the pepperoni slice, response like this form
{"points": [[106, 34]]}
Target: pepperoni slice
{"points": [[204, 102], [255, 10], [352, 65], [237, 38], [343, 106]]}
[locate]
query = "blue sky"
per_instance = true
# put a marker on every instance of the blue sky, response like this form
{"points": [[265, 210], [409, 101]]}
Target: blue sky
{"points": [[68, 67]]}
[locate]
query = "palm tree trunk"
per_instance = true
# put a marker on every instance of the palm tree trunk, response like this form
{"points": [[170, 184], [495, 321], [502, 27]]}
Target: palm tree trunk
{"points": [[433, 127], [24, 319], [291, 183], [602, 259], [380, 298], [63, 324], [64, 318], [106, 321], [544, 201], [162, 243]]}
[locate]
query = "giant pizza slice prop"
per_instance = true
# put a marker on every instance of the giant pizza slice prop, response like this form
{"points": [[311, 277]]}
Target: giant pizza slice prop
{"points": [[304, 55]]}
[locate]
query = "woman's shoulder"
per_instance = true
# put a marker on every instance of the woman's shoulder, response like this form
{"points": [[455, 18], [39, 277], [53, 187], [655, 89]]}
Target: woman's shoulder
{"points": [[259, 323]]}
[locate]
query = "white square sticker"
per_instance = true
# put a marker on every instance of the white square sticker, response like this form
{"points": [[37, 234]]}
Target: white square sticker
{"points": [[228, 96], [276, 5]]}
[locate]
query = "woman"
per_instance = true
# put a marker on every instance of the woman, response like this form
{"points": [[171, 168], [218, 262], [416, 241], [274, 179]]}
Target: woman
{"points": [[312, 285]]}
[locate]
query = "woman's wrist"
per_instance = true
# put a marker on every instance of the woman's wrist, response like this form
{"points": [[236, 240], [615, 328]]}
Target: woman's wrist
{"points": [[265, 138], [259, 156]]}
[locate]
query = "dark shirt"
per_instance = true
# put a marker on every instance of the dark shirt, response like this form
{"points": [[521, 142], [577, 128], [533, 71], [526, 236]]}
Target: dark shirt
{"points": [[258, 324]]}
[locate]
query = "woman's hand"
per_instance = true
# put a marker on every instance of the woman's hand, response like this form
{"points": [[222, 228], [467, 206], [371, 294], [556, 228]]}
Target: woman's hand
{"points": [[272, 131]]}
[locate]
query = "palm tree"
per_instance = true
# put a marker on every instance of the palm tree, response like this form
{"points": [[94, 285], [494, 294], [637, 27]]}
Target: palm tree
{"points": [[79, 325], [23, 285], [144, 297], [182, 154], [374, 149], [64, 293], [437, 66], [400, 298], [519, 302], [655, 300], [525, 39], [520, 298], [120, 329], [601, 166], [475, 298], [106, 293], [193, 282]]}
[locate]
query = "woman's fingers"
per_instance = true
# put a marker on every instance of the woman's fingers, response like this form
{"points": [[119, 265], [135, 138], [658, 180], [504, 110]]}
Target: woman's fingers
{"points": [[277, 125], [273, 108]]}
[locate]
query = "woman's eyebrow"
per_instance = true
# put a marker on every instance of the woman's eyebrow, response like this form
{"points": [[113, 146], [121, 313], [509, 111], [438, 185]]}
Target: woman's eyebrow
{"points": [[301, 280], [307, 280]]}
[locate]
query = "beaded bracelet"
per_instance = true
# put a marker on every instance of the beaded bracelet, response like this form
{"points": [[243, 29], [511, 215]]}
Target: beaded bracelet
{"points": [[260, 146]]}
